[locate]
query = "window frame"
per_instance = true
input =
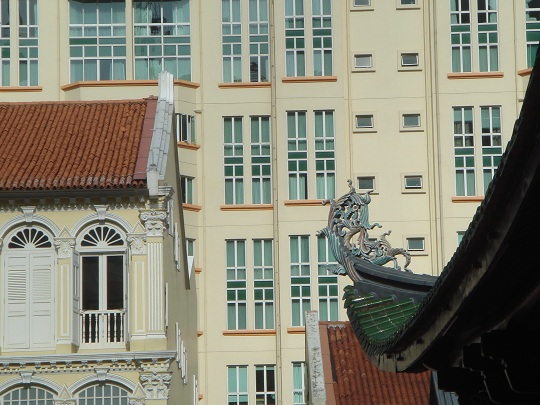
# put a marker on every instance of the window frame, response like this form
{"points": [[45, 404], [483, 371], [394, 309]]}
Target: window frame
{"points": [[365, 114], [325, 158], [261, 162], [328, 285], [187, 189], [300, 278], [5, 48], [185, 128], [407, 189], [98, 246], [466, 44], [233, 167], [142, 50], [238, 394], [297, 146], [464, 153], [299, 383], [323, 36], [367, 176], [236, 285], [295, 53], [263, 285], [361, 7], [363, 68], [410, 128], [266, 384], [416, 251], [88, 56], [413, 6], [409, 67], [259, 28]]}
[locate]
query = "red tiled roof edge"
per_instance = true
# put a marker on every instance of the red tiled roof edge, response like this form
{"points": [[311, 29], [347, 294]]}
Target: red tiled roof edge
{"points": [[359, 382], [70, 145]]}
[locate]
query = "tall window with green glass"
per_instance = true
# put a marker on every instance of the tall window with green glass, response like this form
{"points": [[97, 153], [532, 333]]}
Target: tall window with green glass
{"points": [[265, 384], [460, 33], [297, 155], [231, 37], [532, 29], [488, 36], [299, 386], [97, 40], [259, 49], [162, 36], [325, 160], [295, 41], [263, 283], [464, 151], [237, 385], [327, 282], [233, 149], [322, 37], [5, 54], [300, 278], [261, 169], [236, 285], [491, 142], [28, 43]]}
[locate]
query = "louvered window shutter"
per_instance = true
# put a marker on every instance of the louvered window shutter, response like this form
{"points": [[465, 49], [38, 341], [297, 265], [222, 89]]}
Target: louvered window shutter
{"points": [[17, 333], [41, 300]]}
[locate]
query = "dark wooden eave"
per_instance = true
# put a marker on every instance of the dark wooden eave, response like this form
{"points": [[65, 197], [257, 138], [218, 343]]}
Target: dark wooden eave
{"points": [[478, 326]]}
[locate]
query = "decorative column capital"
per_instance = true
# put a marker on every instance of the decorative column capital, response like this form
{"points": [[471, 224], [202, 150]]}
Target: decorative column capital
{"points": [[154, 221], [156, 385], [64, 247], [137, 243]]}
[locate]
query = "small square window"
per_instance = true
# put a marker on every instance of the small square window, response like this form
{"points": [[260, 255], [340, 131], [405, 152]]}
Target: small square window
{"points": [[415, 244], [363, 61], [413, 182], [366, 183], [357, 3], [364, 121], [409, 59], [411, 120]]}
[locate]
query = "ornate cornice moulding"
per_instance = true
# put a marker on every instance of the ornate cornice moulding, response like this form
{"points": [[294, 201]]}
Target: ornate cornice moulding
{"points": [[55, 204], [150, 362]]}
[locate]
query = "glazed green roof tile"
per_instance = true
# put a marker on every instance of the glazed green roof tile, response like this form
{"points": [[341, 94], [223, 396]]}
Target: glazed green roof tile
{"points": [[377, 319]]}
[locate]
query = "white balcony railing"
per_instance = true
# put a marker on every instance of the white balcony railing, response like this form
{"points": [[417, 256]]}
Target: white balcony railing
{"points": [[103, 327]]}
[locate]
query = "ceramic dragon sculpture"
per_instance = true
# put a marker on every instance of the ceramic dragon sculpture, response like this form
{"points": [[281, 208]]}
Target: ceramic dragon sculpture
{"points": [[347, 230]]}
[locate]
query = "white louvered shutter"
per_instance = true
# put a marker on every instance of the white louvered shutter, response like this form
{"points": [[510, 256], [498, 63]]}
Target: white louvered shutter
{"points": [[16, 331]]}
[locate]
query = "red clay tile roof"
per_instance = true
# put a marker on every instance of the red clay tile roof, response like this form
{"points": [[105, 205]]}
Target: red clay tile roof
{"points": [[72, 145], [358, 382]]}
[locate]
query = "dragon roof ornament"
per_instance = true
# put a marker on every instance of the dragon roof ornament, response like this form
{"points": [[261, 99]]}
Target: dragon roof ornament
{"points": [[347, 233]]}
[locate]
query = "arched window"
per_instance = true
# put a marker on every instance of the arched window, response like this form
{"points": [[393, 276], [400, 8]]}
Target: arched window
{"points": [[103, 291], [103, 394], [28, 288], [102, 236], [27, 396], [29, 238]]}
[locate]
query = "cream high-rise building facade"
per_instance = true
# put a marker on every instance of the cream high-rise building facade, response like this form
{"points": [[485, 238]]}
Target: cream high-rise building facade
{"points": [[278, 104]]}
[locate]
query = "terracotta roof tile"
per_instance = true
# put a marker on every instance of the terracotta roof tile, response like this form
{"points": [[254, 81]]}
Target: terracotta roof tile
{"points": [[72, 145], [358, 382]]}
